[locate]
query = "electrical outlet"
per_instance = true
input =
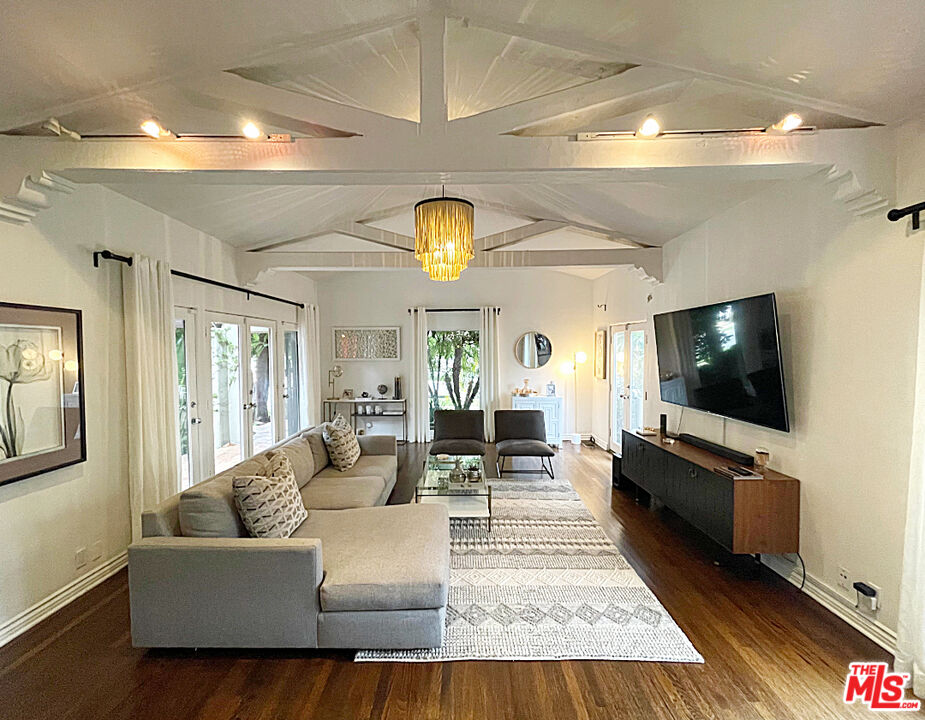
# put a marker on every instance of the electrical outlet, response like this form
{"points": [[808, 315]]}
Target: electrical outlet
{"points": [[97, 550], [80, 557], [844, 581], [879, 597]]}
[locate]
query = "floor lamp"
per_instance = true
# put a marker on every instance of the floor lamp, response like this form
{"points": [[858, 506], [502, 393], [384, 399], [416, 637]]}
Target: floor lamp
{"points": [[578, 358]]}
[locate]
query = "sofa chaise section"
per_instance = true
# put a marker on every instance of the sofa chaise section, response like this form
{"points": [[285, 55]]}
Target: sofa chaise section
{"points": [[353, 575]]}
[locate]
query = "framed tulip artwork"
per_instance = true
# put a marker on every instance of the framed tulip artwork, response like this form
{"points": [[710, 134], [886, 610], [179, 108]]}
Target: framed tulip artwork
{"points": [[42, 414]]}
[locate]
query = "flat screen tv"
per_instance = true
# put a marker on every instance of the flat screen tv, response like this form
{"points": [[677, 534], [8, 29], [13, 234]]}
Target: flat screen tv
{"points": [[724, 359]]}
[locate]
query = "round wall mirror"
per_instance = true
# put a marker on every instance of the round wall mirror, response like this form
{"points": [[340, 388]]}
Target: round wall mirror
{"points": [[533, 350]]}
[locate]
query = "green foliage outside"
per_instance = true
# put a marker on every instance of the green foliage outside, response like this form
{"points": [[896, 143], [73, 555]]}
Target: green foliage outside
{"points": [[453, 359]]}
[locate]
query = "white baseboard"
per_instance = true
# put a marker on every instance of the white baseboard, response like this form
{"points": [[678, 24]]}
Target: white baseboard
{"points": [[31, 617], [834, 602]]}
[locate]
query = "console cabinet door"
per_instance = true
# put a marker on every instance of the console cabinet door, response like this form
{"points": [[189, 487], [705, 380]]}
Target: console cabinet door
{"points": [[632, 461], [704, 499]]}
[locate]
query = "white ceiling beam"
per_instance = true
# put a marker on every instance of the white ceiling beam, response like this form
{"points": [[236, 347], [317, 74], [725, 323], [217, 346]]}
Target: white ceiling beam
{"points": [[420, 161], [230, 88], [356, 230], [433, 110], [515, 235], [298, 47], [252, 265], [231, 59], [577, 43], [546, 108], [597, 115]]}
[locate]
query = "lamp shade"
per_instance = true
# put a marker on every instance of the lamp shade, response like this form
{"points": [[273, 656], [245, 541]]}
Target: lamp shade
{"points": [[443, 236]]}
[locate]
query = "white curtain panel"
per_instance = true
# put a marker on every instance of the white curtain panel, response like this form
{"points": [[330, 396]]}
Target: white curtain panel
{"points": [[489, 367], [910, 640], [310, 352], [419, 399], [151, 385]]}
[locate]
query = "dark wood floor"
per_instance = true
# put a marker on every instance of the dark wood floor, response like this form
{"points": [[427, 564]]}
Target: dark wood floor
{"points": [[770, 652]]}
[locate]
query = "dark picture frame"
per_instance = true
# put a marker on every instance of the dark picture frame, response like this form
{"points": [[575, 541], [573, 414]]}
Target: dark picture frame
{"points": [[42, 405]]}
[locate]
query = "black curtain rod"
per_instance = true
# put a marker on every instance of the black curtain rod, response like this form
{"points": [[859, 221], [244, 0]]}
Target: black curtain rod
{"points": [[913, 210], [443, 310], [109, 255]]}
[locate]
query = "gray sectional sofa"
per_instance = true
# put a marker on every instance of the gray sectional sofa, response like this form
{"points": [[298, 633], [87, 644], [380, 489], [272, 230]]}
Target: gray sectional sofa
{"points": [[356, 574]]}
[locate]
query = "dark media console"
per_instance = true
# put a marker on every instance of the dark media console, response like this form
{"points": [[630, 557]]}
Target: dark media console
{"points": [[744, 516]]}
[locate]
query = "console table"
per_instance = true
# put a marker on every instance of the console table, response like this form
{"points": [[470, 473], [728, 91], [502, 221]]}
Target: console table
{"points": [[399, 410], [744, 516]]}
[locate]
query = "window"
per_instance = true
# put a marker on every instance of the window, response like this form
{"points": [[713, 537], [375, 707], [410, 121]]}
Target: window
{"points": [[453, 360]]}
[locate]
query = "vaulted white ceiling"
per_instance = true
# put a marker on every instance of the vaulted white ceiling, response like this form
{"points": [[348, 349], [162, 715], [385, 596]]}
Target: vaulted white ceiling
{"points": [[543, 70]]}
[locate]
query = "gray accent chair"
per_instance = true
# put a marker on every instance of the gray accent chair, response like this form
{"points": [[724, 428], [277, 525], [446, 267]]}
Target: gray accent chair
{"points": [[355, 574], [458, 432], [522, 433]]}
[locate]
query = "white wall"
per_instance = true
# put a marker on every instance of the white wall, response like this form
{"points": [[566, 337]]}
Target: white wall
{"points": [[847, 291], [44, 519], [554, 303]]}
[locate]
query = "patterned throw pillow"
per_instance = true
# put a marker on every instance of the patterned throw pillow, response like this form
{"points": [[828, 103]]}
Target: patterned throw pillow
{"points": [[270, 506], [341, 443]]}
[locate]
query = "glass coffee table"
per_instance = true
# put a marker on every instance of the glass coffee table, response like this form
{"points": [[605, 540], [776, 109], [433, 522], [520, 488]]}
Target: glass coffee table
{"points": [[464, 498]]}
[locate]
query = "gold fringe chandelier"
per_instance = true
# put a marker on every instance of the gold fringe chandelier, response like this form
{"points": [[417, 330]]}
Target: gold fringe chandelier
{"points": [[443, 236]]}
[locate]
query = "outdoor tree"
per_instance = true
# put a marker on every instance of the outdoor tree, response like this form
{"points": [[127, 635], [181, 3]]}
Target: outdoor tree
{"points": [[453, 358]]}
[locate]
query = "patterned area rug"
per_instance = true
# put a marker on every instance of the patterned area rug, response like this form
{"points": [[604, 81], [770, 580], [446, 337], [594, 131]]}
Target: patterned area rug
{"points": [[545, 584]]}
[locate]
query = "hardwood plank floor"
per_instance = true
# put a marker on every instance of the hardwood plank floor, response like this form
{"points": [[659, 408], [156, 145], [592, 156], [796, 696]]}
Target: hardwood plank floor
{"points": [[770, 651]]}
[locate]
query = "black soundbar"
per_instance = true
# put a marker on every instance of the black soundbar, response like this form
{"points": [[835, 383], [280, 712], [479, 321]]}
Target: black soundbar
{"points": [[716, 449]]}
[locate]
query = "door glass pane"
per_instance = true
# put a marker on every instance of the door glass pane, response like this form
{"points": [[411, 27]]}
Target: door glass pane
{"points": [[183, 397], [453, 364], [618, 385], [226, 394], [637, 377], [260, 406], [291, 400]]}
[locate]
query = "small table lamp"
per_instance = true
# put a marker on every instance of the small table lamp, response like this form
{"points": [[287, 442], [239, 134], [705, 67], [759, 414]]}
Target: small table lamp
{"points": [[334, 372]]}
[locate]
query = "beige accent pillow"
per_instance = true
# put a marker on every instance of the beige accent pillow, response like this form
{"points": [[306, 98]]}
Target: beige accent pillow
{"points": [[341, 443], [300, 455], [270, 505], [315, 438]]}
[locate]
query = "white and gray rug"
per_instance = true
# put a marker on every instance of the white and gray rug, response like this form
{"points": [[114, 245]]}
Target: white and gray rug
{"points": [[545, 584]]}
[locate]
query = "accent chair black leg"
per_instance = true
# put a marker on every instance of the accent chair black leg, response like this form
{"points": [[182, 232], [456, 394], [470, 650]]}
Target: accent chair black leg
{"points": [[552, 475]]}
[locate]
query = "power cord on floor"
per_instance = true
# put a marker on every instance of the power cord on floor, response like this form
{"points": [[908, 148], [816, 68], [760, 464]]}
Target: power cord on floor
{"points": [[803, 581]]}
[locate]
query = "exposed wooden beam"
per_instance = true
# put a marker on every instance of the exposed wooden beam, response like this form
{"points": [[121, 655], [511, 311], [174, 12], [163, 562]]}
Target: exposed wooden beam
{"points": [[517, 117], [356, 230], [509, 237], [232, 58], [573, 121], [565, 39], [253, 265], [230, 88], [298, 47], [432, 70]]}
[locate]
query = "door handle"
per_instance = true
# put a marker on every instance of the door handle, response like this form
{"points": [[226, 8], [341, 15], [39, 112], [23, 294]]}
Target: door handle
{"points": [[249, 406], [195, 421]]}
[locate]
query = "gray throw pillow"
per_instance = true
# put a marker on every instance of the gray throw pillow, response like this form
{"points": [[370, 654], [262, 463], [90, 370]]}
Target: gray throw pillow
{"points": [[270, 505], [341, 443]]}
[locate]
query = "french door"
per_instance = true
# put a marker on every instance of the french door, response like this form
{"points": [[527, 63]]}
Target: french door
{"points": [[238, 389], [243, 371], [290, 416], [189, 408], [627, 381]]}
